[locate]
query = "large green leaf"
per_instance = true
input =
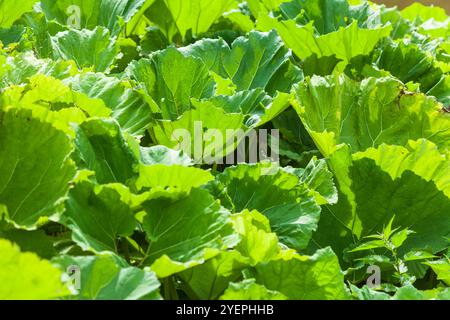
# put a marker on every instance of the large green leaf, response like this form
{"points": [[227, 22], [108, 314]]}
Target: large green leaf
{"points": [[19, 68], [197, 16], [107, 277], [258, 243], [165, 179], [258, 60], [107, 13], [209, 280], [99, 215], [316, 277], [279, 195], [345, 43], [189, 132], [366, 114], [415, 188], [442, 269], [26, 277], [128, 106], [185, 230], [36, 241], [51, 93], [172, 94], [418, 12], [12, 10], [408, 61], [411, 293], [88, 48], [35, 167], [258, 7], [327, 15], [101, 147], [218, 124]]}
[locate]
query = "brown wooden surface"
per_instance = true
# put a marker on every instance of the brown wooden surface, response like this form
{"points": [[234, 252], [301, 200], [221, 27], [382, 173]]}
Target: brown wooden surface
{"points": [[404, 3]]}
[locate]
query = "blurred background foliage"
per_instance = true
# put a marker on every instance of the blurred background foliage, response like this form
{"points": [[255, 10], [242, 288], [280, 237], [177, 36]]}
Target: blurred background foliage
{"points": [[404, 3]]}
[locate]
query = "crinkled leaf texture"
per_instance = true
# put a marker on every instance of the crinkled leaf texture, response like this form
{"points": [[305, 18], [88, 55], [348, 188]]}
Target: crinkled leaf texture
{"points": [[316, 277], [366, 114], [415, 188], [93, 13], [88, 48], [293, 213]]}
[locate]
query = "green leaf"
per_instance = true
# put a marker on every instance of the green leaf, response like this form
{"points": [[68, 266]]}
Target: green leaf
{"points": [[243, 21], [387, 230], [250, 290], [319, 180], [98, 215], [324, 280], [408, 293], [36, 241], [365, 293], [442, 269], [418, 177], [128, 106], [53, 94], [92, 49], [24, 65], [258, 60], [26, 277], [196, 16], [107, 277], [367, 114], [327, 15], [185, 229], [35, 167], [400, 237], [257, 243], [165, 179], [12, 35], [319, 66], [209, 280], [189, 132], [418, 12], [345, 43], [442, 91], [107, 13], [172, 94], [409, 62], [418, 255], [292, 212], [411, 293], [101, 147], [258, 7], [374, 244], [12, 10]]}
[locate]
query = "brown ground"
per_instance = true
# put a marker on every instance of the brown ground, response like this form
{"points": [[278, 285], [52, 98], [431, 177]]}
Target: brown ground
{"points": [[403, 3]]}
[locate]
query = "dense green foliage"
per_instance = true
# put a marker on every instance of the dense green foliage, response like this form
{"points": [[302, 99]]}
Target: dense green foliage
{"points": [[98, 201]]}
